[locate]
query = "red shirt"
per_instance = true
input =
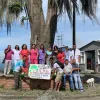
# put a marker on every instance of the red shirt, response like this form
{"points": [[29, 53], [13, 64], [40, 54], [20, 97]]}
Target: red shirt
{"points": [[61, 57], [8, 55], [24, 53]]}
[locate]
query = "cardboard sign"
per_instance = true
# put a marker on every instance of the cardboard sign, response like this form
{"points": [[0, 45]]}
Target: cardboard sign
{"points": [[38, 71]]}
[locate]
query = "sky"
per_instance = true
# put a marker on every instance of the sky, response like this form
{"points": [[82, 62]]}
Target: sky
{"points": [[86, 31]]}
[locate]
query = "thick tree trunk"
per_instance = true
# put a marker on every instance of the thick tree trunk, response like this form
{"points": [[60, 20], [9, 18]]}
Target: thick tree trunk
{"points": [[44, 31], [36, 19]]}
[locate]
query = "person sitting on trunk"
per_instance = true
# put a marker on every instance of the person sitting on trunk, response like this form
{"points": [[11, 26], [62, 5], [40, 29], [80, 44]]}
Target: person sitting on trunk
{"points": [[68, 73], [76, 76]]}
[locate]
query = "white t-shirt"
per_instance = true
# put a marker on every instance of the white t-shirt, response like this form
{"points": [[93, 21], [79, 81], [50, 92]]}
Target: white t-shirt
{"points": [[58, 68], [16, 54], [68, 68], [68, 55], [77, 54]]}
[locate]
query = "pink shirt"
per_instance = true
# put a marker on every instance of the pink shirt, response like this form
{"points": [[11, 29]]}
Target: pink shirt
{"points": [[8, 55], [33, 54]]}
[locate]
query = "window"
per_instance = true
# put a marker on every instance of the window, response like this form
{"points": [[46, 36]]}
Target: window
{"points": [[98, 52], [82, 57]]}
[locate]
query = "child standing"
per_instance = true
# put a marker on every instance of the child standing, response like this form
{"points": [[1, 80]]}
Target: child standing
{"points": [[25, 52], [42, 55], [33, 55], [17, 71]]}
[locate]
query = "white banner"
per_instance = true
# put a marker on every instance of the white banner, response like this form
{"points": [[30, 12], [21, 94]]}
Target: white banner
{"points": [[38, 71]]}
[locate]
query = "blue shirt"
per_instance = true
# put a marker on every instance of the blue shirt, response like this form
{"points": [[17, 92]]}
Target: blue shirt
{"points": [[75, 66], [18, 66]]}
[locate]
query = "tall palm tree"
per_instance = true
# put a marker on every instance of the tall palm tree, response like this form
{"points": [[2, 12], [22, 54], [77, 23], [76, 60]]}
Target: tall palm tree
{"points": [[88, 7], [44, 31]]}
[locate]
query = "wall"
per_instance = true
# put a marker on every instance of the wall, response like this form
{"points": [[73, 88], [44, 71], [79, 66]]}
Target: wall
{"points": [[7, 82]]}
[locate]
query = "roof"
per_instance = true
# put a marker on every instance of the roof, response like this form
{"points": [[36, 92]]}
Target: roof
{"points": [[98, 41]]}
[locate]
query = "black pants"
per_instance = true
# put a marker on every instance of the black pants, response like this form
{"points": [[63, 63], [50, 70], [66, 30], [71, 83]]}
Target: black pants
{"points": [[17, 79]]}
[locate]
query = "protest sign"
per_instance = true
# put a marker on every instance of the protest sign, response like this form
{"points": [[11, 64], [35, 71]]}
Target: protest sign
{"points": [[39, 71]]}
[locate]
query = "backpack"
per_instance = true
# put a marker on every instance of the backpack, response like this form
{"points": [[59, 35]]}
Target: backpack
{"points": [[60, 64]]}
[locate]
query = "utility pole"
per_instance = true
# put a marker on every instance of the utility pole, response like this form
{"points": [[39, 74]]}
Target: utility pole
{"points": [[60, 38], [74, 22]]}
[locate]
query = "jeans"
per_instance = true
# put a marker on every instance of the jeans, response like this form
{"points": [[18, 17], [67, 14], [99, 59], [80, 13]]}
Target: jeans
{"points": [[70, 81], [7, 66], [78, 83]]}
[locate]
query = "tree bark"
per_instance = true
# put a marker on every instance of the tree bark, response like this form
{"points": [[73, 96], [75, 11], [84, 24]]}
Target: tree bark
{"points": [[50, 27], [36, 19], [45, 31]]}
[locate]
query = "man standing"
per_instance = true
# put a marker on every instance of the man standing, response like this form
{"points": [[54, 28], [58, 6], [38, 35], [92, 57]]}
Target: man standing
{"points": [[8, 60], [68, 54], [68, 73], [76, 76], [76, 54], [17, 71]]}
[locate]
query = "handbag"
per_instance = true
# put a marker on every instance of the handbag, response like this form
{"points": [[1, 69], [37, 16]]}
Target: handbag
{"points": [[3, 61]]}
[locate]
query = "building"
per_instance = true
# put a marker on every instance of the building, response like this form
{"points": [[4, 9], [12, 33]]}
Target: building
{"points": [[90, 55]]}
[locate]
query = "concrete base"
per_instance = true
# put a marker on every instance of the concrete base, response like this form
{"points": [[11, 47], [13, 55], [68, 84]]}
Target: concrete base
{"points": [[7, 82]]}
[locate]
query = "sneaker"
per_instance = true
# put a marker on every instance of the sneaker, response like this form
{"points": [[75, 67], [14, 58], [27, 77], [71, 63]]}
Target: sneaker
{"points": [[81, 90]]}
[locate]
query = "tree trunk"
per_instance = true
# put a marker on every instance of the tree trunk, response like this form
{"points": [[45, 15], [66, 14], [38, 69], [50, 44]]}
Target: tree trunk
{"points": [[50, 27], [44, 31], [36, 19]]}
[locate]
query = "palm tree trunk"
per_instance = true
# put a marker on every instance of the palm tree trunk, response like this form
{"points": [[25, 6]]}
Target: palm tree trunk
{"points": [[50, 27]]}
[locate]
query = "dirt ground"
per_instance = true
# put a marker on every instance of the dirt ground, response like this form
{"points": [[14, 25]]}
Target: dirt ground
{"points": [[91, 93]]}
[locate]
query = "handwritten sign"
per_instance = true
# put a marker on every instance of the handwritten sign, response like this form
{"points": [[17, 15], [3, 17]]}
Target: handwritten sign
{"points": [[39, 71]]}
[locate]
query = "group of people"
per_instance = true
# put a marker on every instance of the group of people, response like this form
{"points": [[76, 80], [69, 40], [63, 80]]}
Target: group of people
{"points": [[63, 64], [66, 67]]}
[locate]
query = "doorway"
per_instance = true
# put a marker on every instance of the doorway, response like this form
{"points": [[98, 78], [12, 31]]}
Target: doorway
{"points": [[90, 60]]}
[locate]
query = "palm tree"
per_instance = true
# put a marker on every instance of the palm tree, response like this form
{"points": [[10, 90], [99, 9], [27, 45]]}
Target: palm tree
{"points": [[88, 8], [44, 31]]}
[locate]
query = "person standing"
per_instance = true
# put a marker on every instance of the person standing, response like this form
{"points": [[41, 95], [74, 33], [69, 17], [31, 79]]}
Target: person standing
{"points": [[68, 73], [75, 54], [33, 55], [55, 52], [68, 54], [16, 54], [48, 56], [17, 71], [76, 76], [8, 60], [25, 52], [61, 56], [42, 55]]}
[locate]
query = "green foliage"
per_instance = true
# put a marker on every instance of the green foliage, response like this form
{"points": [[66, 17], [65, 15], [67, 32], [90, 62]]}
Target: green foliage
{"points": [[1, 86], [15, 8]]}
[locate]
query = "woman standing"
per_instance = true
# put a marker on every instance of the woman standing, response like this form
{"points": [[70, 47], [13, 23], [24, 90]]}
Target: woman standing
{"points": [[48, 56], [61, 56], [55, 52], [25, 52], [33, 55], [42, 55], [16, 54]]}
